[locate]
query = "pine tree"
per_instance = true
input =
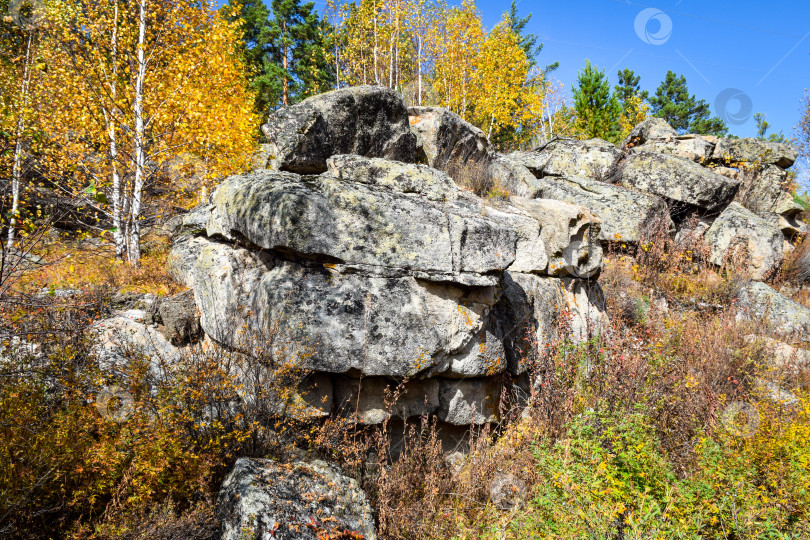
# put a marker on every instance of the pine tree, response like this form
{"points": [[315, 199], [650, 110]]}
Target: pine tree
{"points": [[297, 59], [597, 109], [256, 41], [628, 87], [683, 111]]}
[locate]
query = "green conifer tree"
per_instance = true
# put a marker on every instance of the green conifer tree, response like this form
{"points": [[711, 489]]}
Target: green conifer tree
{"points": [[597, 109], [684, 111]]}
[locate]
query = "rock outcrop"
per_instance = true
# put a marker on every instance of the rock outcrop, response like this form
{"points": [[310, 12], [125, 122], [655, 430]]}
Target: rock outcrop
{"points": [[592, 158], [302, 500], [760, 303], [739, 232], [678, 179], [379, 270], [363, 120], [445, 140]]}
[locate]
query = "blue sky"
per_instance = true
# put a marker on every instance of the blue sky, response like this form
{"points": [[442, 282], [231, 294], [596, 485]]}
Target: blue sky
{"points": [[753, 56]]}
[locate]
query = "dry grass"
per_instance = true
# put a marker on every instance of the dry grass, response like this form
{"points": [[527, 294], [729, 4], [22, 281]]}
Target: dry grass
{"points": [[85, 266]]}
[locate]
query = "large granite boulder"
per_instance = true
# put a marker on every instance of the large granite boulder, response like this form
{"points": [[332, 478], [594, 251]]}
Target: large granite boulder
{"points": [[445, 140], [754, 151], [303, 500], [592, 158], [512, 176], [651, 129], [758, 239], [765, 191], [364, 120], [370, 227], [760, 303], [622, 211], [125, 336], [677, 179]]}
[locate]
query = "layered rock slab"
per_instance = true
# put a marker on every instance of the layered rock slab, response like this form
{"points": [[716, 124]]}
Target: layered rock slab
{"points": [[592, 158], [677, 179]]}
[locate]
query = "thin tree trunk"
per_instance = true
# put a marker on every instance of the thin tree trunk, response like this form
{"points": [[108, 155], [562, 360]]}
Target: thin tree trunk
{"points": [[376, 74], [139, 153], [284, 65], [118, 232], [419, 67], [16, 169]]}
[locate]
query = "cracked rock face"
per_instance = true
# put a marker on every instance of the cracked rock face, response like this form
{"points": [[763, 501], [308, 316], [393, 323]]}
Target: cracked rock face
{"points": [[747, 150], [445, 140], [363, 120], [375, 268], [262, 498], [759, 302], [592, 158], [759, 240], [677, 179]]}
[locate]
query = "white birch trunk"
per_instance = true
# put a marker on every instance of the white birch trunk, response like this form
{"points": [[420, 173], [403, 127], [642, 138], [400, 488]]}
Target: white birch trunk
{"points": [[139, 151], [16, 168]]}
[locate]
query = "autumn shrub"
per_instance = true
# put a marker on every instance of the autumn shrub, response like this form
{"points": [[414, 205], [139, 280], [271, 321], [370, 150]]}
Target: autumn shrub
{"points": [[88, 445], [474, 176], [795, 268]]}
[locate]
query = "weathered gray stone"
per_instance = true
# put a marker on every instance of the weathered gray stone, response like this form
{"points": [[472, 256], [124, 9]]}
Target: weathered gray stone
{"points": [[592, 158], [622, 211], [570, 234], [760, 303], [374, 325], [366, 226], [262, 157], [446, 139], [263, 499], [178, 317], [512, 176], [180, 260], [677, 179], [781, 356], [363, 120], [400, 177], [694, 148], [469, 401], [739, 228], [763, 191], [537, 312], [119, 339], [747, 150], [651, 129], [372, 400]]}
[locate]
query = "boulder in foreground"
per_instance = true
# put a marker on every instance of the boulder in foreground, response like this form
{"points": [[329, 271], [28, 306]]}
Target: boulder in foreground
{"points": [[262, 498]]}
